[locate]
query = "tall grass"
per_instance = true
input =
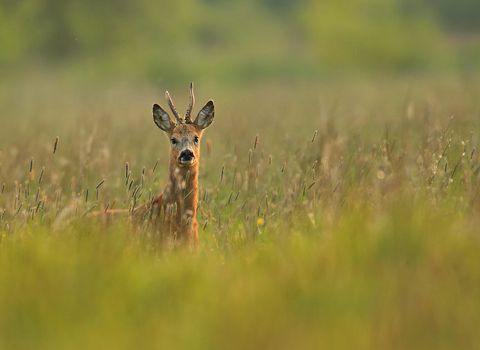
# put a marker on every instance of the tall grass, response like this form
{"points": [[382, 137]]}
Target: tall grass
{"points": [[335, 215]]}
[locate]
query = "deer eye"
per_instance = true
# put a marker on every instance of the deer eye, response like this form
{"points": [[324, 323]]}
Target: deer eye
{"points": [[174, 141], [196, 139]]}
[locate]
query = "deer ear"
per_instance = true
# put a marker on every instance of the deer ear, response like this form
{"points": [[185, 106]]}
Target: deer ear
{"points": [[161, 118], [205, 116]]}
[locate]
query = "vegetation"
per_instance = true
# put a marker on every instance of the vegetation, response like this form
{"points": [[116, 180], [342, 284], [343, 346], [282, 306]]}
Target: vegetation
{"points": [[339, 182], [229, 41], [350, 221]]}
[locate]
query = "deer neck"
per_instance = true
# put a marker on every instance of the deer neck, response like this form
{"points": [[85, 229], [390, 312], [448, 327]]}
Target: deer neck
{"points": [[182, 186]]}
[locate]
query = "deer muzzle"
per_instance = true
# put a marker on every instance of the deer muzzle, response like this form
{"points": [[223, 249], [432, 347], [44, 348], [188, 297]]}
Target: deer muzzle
{"points": [[186, 157]]}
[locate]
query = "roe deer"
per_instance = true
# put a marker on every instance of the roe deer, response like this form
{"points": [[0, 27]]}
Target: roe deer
{"points": [[173, 213]]}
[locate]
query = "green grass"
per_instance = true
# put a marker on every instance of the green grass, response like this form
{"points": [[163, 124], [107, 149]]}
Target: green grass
{"points": [[362, 236]]}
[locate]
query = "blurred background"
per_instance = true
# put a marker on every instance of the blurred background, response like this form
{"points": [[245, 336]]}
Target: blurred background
{"points": [[230, 42]]}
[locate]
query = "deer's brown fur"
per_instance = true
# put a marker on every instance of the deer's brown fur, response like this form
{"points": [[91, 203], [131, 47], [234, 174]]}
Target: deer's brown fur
{"points": [[173, 213]]}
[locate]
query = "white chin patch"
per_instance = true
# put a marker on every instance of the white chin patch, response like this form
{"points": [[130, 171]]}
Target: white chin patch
{"points": [[186, 162]]}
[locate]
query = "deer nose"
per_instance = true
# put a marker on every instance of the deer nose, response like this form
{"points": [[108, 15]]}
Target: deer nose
{"points": [[186, 156]]}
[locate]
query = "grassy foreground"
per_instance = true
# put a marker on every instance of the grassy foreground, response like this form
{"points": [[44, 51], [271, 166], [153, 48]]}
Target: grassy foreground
{"points": [[350, 222]]}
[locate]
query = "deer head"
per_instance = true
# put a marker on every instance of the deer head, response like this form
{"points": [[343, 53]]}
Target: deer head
{"points": [[185, 134]]}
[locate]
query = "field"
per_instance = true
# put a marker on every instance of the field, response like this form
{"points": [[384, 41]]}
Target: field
{"points": [[335, 215]]}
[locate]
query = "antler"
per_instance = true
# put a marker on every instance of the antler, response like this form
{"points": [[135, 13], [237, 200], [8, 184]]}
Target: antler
{"points": [[172, 107], [188, 119]]}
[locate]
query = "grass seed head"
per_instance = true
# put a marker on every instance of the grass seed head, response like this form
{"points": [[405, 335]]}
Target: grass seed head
{"points": [[55, 145], [209, 147], [155, 166], [41, 175], [100, 184]]}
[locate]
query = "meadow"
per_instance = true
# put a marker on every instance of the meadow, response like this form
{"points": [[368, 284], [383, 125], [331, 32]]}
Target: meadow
{"points": [[339, 214]]}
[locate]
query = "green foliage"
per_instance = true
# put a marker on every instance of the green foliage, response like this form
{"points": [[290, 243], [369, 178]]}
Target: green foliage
{"points": [[225, 41], [369, 34], [160, 41], [457, 15], [369, 228], [17, 38]]}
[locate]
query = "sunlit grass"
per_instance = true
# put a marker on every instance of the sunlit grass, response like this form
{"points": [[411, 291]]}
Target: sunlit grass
{"points": [[350, 221]]}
